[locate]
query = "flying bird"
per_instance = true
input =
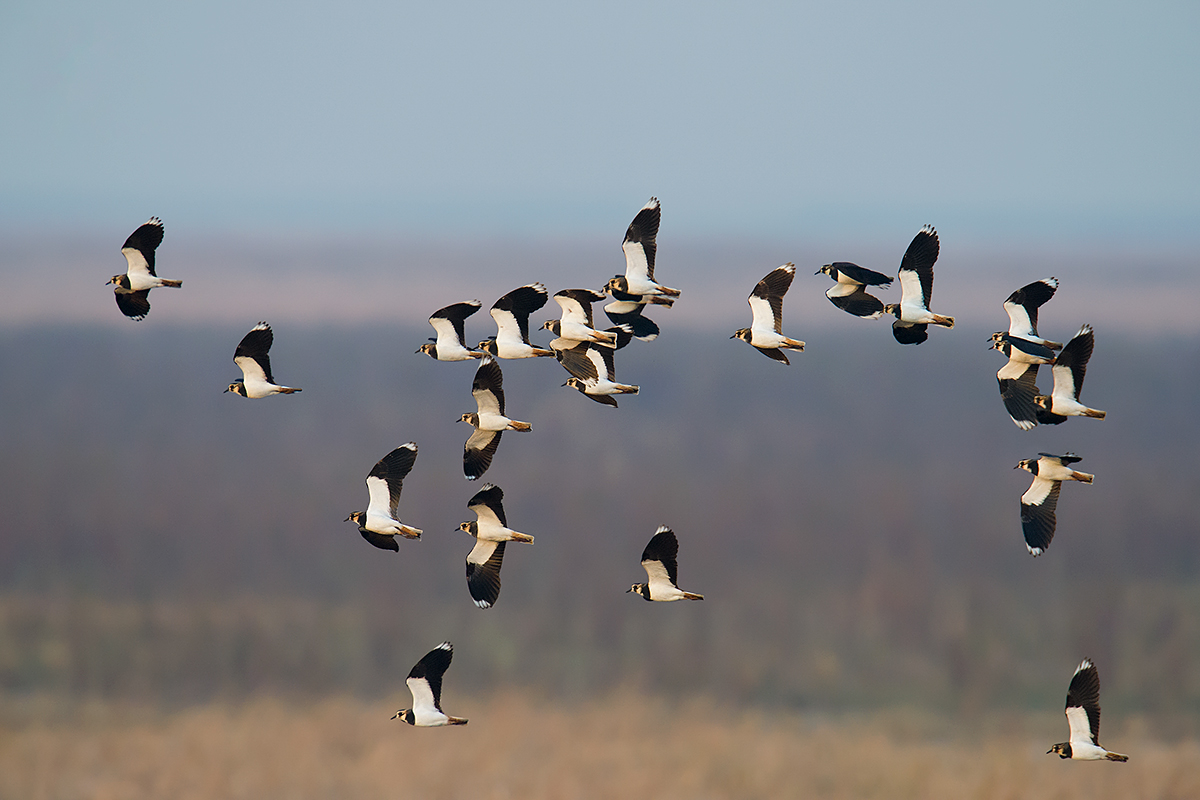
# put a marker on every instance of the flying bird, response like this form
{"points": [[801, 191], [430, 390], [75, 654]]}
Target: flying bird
{"points": [[491, 531], [640, 247], [425, 683], [1017, 378], [658, 559], [1022, 307], [766, 304], [849, 292], [488, 421], [912, 313], [380, 524], [593, 372], [251, 356], [625, 311], [1083, 715], [511, 313], [1069, 370], [132, 287], [576, 323], [1040, 499], [450, 344]]}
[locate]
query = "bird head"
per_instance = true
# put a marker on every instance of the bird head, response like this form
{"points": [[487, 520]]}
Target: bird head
{"points": [[429, 349], [406, 715], [357, 516], [471, 418], [237, 387], [1063, 749], [825, 270], [616, 283], [490, 346], [893, 309], [117, 279], [1028, 464], [575, 383], [1042, 401], [470, 527], [741, 333]]}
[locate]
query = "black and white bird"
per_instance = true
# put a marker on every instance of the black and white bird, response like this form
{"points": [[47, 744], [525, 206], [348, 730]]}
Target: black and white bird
{"points": [[511, 313], [912, 313], [1022, 307], [1083, 716], [658, 559], [491, 531], [1038, 519], [132, 287], [380, 524], [1069, 369], [450, 344], [576, 323], [253, 359], [425, 683], [488, 421], [626, 311], [849, 292], [765, 333], [1018, 377], [593, 372], [640, 247]]}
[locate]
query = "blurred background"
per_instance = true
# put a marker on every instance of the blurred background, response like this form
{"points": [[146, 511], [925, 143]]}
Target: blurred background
{"points": [[852, 520]]}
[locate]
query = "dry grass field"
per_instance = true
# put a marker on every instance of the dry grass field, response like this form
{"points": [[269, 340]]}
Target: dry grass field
{"points": [[516, 747]]}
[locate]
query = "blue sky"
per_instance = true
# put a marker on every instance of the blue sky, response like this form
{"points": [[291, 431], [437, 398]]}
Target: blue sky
{"points": [[1056, 121]]}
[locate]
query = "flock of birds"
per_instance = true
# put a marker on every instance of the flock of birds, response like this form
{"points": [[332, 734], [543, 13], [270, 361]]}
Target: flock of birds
{"points": [[587, 354]]}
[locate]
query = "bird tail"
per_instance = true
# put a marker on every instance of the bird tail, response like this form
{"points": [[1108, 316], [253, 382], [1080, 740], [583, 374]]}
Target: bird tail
{"points": [[605, 338], [1091, 412], [538, 351], [667, 290], [626, 389], [946, 322], [1115, 756], [522, 537], [1085, 477], [793, 344], [455, 721], [288, 390], [409, 532], [692, 596], [659, 300], [517, 425], [166, 282]]}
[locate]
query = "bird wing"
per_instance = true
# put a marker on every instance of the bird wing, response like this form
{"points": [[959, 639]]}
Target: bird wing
{"points": [[251, 353], [1071, 365], [577, 361], [860, 275], [577, 305], [134, 304], [1023, 304], [631, 316], [425, 679], [1037, 513], [856, 301], [390, 471], [916, 268], [140, 246], [659, 557], [483, 572], [640, 241], [512, 311], [910, 332], [449, 324], [766, 301], [478, 452], [1083, 704], [488, 387], [1018, 387], [488, 504]]}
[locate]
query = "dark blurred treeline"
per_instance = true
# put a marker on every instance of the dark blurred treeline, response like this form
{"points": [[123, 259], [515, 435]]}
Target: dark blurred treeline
{"points": [[852, 520]]}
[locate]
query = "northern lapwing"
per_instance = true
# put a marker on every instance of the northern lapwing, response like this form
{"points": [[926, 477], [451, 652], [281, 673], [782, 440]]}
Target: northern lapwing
{"points": [[251, 356], [849, 292], [640, 247], [491, 531], [1040, 499], [425, 683], [593, 372], [380, 524], [511, 313], [132, 287], [912, 313], [658, 559], [576, 323], [1017, 378], [1022, 307], [1069, 370], [1083, 716], [766, 303], [450, 344], [488, 421], [625, 311]]}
